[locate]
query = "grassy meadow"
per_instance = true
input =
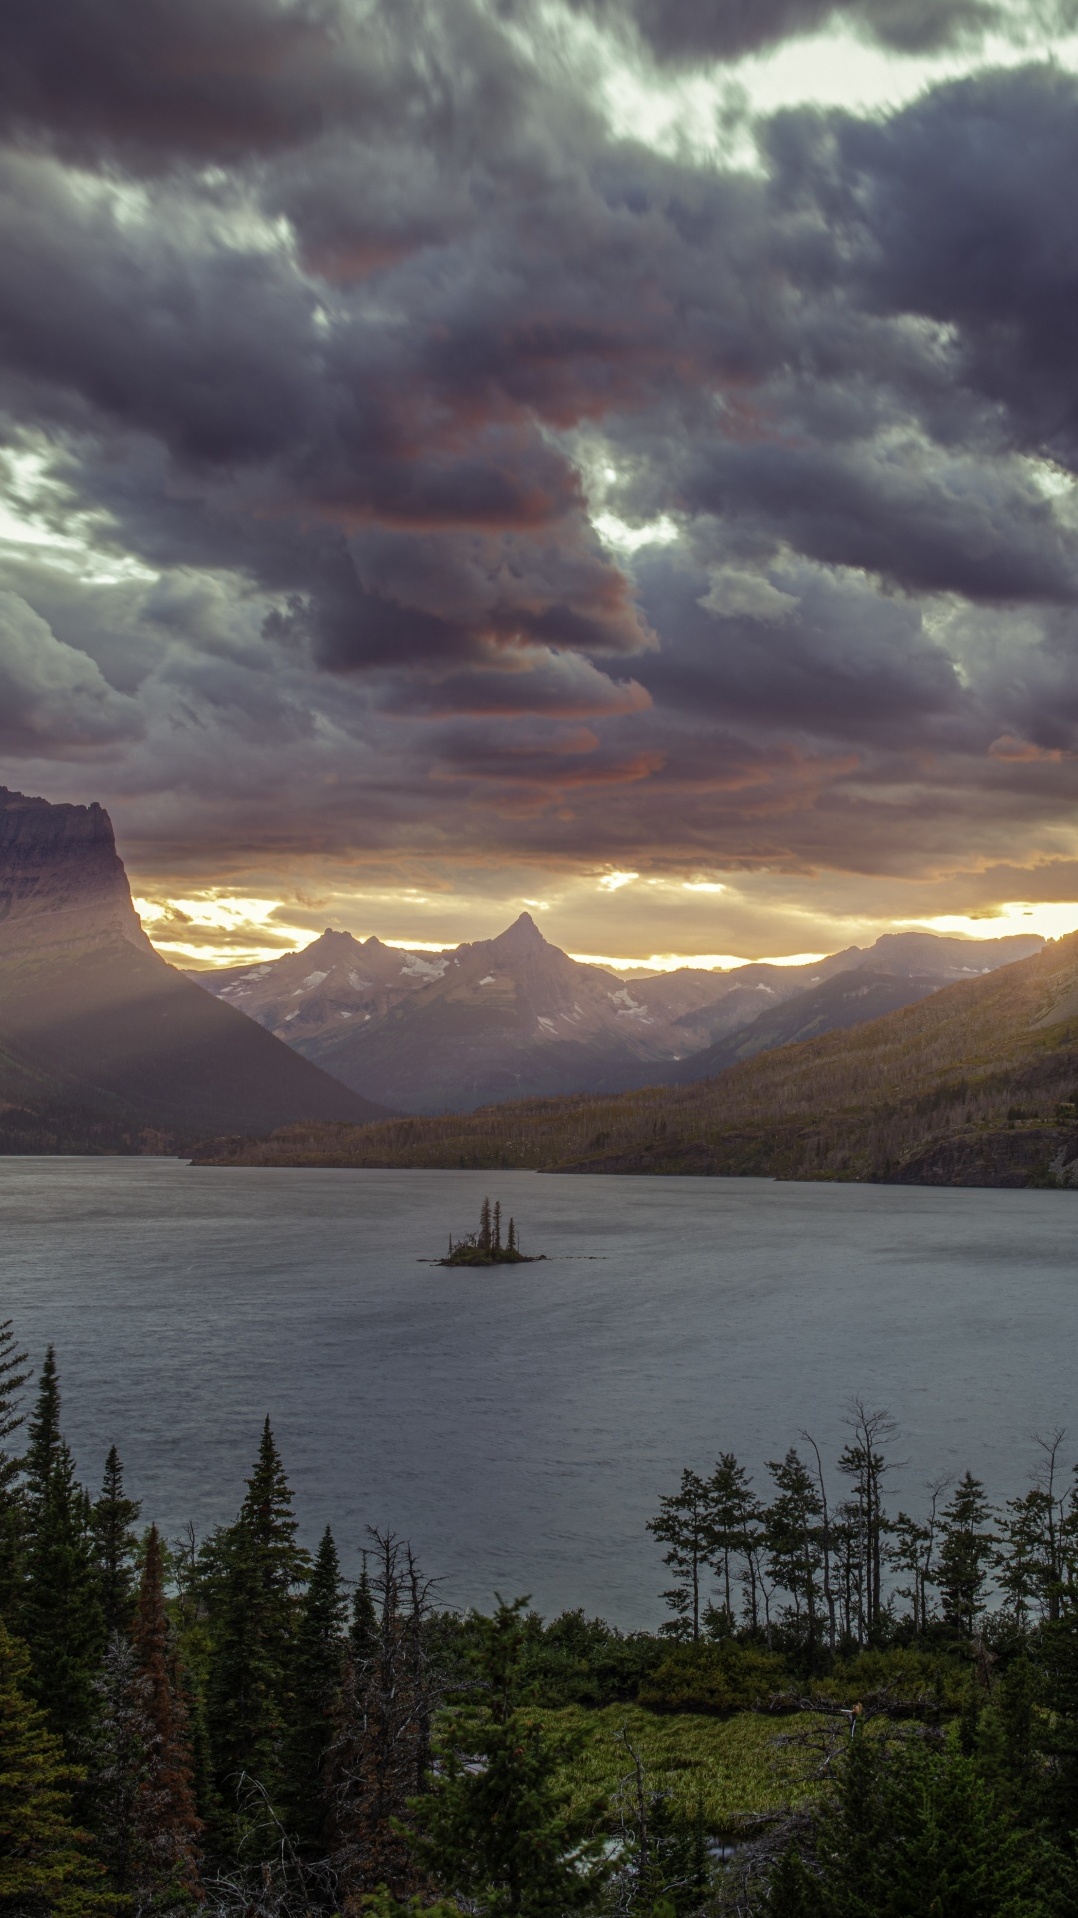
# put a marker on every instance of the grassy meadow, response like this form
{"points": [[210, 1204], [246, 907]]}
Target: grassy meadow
{"points": [[730, 1769]]}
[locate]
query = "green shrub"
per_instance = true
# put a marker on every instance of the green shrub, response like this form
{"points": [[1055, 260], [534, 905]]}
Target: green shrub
{"points": [[921, 1682], [727, 1677]]}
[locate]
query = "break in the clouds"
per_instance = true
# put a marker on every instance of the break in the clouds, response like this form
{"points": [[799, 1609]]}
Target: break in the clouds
{"points": [[414, 483]]}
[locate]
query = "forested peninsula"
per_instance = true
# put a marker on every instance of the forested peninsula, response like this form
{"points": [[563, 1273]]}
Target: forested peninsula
{"points": [[849, 1707], [976, 1085]]}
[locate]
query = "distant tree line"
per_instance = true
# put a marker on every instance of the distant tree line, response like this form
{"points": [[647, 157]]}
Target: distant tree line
{"points": [[228, 1725]]}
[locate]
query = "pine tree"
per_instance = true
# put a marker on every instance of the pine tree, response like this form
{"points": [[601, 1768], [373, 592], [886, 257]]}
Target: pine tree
{"points": [[317, 1667], [684, 1524], [966, 1552], [794, 1891], [363, 1630], [166, 1820], [117, 1764], [497, 1239], [1005, 1748], [731, 1509], [1056, 1731], [794, 1543], [913, 1831], [498, 1827], [116, 1547], [59, 1609], [253, 1603], [485, 1227], [43, 1451], [511, 1240], [45, 1868], [12, 1379], [912, 1552]]}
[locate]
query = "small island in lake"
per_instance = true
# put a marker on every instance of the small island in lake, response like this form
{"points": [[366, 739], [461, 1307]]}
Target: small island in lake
{"points": [[486, 1247]]}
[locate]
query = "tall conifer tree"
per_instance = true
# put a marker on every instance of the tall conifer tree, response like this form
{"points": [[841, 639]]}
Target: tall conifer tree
{"points": [[45, 1868], [504, 1834], [317, 1664], [167, 1823], [684, 1525], [43, 1450], [59, 1610], [363, 1630], [253, 1622], [13, 1377], [116, 1765], [115, 1546], [966, 1553], [911, 1833]]}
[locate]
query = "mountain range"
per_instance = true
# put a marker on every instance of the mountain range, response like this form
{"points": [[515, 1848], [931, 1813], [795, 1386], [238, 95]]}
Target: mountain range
{"points": [[516, 1017], [975, 1084], [103, 1045]]}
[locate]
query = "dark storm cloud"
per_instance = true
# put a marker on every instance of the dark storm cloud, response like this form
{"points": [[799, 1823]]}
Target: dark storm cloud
{"points": [[935, 525], [832, 659], [960, 210], [348, 387], [203, 78]]}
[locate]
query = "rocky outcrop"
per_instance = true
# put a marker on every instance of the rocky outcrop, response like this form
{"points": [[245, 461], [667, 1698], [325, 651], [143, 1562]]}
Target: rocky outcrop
{"points": [[62, 882]]}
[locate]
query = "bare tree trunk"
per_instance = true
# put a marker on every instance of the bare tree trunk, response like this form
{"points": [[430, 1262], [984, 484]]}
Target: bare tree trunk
{"points": [[829, 1596]]}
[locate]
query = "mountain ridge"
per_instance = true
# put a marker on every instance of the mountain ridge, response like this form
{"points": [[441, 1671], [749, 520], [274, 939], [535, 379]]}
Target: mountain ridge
{"points": [[100, 1038], [974, 1084], [515, 1016]]}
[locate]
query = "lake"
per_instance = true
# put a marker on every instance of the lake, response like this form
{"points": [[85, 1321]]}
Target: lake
{"points": [[520, 1425]]}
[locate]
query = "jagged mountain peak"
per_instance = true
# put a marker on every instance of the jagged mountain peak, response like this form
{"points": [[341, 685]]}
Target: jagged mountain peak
{"points": [[520, 936], [431, 1030], [332, 944]]}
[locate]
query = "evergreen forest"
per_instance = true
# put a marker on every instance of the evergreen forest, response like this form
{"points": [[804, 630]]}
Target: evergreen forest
{"points": [[847, 1708]]}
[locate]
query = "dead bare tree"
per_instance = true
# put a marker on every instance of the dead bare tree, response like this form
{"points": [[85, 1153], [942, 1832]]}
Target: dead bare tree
{"points": [[380, 1752], [825, 1543]]}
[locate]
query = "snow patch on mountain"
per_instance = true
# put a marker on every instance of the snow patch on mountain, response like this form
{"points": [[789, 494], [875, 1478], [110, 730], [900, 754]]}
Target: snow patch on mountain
{"points": [[418, 968]]}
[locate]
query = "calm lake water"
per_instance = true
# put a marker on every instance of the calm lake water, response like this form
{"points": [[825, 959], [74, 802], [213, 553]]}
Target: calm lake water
{"points": [[520, 1426]]}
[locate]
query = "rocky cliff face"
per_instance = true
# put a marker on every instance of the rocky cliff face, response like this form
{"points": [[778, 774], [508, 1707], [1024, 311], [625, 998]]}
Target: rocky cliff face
{"points": [[62, 882], [100, 1040]]}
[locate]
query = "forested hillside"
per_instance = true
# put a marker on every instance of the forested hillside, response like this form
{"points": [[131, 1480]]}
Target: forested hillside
{"points": [[974, 1085]]}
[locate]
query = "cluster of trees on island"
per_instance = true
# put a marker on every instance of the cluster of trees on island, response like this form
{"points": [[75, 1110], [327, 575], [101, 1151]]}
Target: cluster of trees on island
{"points": [[486, 1246], [229, 1725]]}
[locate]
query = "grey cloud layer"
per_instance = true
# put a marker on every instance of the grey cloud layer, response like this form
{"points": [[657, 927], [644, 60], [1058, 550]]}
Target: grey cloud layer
{"points": [[344, 320], [688, 31]]}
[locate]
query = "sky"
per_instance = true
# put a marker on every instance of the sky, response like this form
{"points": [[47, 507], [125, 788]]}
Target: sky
{"points": [[609, 457]]}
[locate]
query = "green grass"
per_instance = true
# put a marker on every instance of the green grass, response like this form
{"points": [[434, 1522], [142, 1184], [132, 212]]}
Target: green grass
{"points": [[739, 1767]]}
